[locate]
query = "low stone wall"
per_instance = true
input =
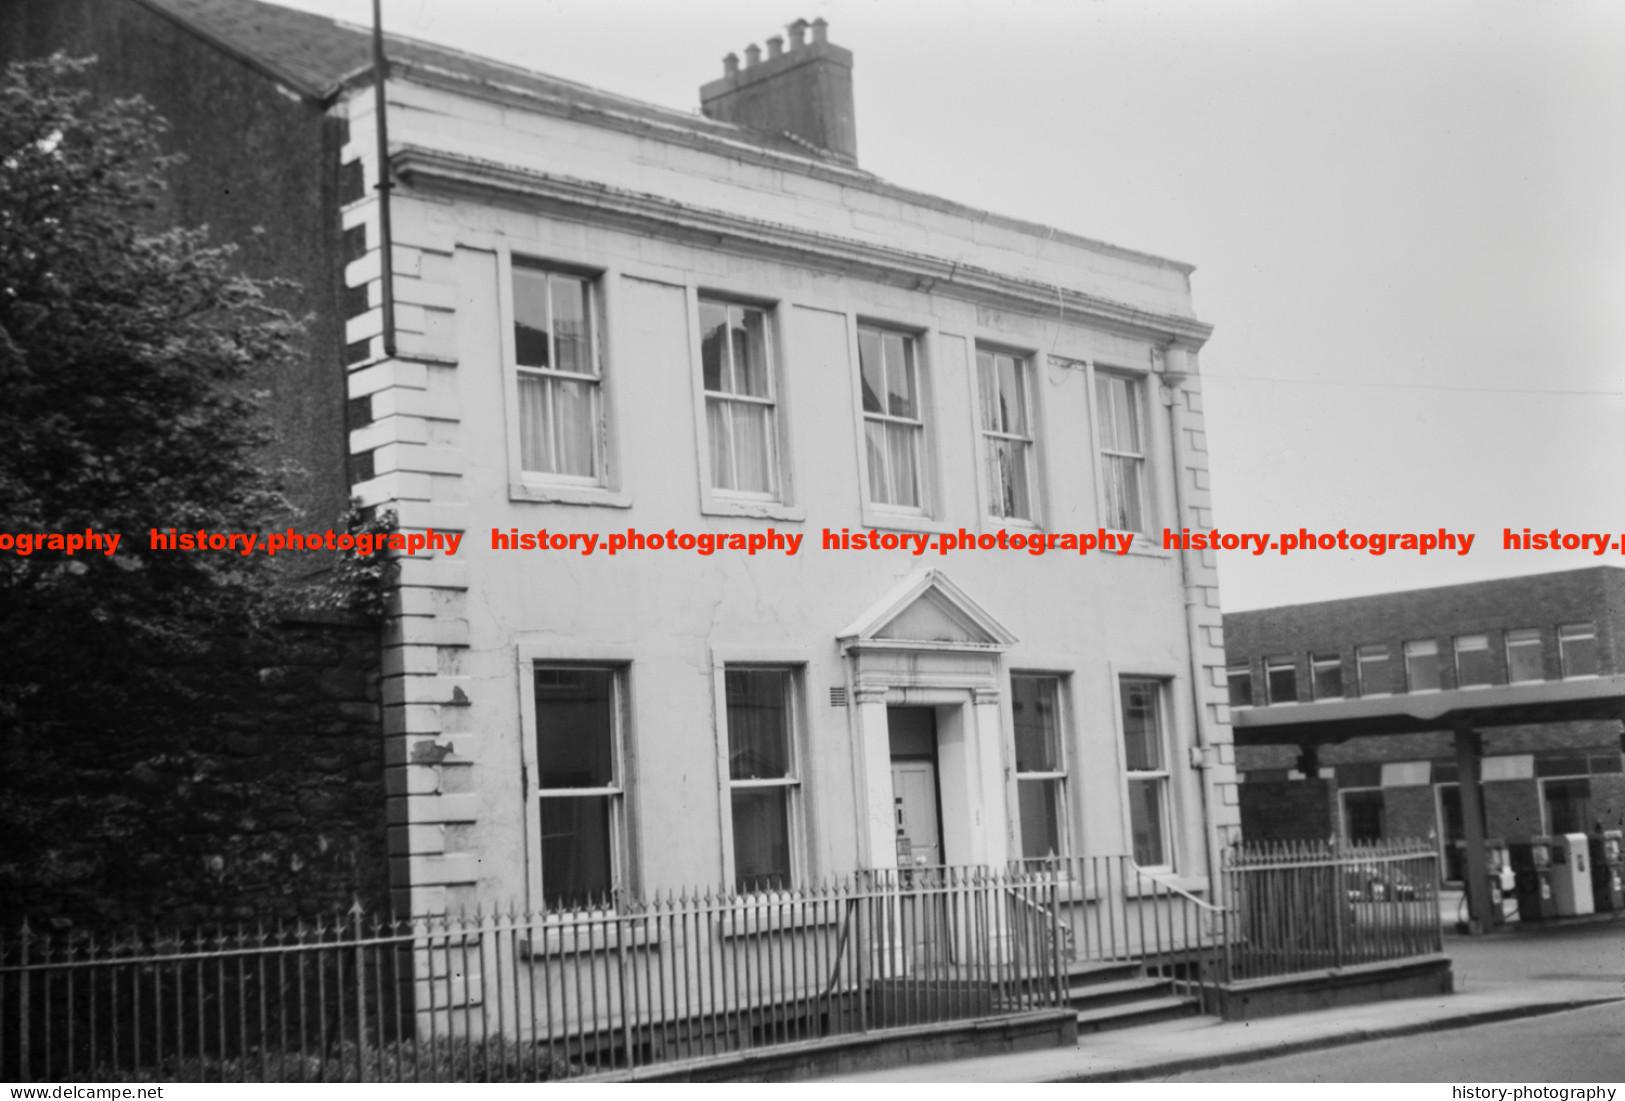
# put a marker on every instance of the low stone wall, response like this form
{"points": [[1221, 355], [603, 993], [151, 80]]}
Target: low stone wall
{"points": [[879, 1050], [1330, 989]]}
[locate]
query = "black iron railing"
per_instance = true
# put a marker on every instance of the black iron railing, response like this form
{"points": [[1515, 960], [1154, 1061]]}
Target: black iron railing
{"points": [[526, 997], [1310, 906]]}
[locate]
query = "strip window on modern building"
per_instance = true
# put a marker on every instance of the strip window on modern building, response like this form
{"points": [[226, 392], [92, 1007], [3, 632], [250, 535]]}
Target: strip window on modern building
{"points": [[1525, 658], [1281, 679], [1475, 663], [1326, 676], [1422, 665], [1371, 666], [1577, 649], [1239, 679]]}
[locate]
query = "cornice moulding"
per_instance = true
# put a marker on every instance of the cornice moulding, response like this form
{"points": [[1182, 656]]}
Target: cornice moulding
{"points": [[435, 172]]}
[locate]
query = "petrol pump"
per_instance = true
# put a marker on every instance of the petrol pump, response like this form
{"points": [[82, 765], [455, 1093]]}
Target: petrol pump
{"points": [[1532, 870], [1500, 866], [1571, 875], [1606, 870]]}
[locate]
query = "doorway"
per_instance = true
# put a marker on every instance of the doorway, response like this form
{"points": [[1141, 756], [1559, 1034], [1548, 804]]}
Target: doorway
{"points": [[916, 798]]}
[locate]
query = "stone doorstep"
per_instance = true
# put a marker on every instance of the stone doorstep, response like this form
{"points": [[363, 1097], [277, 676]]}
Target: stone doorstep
{"points": [[875, 1050]]}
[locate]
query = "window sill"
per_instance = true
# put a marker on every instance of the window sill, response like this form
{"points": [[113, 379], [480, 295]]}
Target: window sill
{"points": [[991, 524], [881, 520], [769, 913], [593, 934], [754, 510], [1144, 544], [568, 495]]}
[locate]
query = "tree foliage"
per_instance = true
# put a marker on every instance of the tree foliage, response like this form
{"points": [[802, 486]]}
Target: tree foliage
{"points": [[127, 362], [129, 358]]}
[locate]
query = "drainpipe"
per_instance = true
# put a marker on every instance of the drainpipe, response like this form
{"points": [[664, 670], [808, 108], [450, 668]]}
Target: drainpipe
{"points": [[1173, 374], [386, 242]]}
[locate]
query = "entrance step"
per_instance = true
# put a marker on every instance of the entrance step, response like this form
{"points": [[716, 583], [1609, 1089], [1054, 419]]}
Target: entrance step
{"points": [[1098, 995], [1079, 974], [1128, 1014], [1120, 994]]}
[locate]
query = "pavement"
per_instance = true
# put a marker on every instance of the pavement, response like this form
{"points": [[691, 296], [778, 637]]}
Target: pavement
{"points": [[1513, 972]]}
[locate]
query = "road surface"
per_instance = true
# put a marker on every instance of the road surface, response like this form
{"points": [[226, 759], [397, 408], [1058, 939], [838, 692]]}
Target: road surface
{"points": [[1581, 1045]]}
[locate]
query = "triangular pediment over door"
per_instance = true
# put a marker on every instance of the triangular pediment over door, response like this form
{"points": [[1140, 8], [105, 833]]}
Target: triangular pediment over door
{"points": [[927, 611]]}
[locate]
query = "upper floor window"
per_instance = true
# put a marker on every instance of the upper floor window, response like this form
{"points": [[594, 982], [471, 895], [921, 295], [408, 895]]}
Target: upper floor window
{"points": [[1422, 666], [1326, 676], [578, 783], [763, 778], [1120, 402], [1240, 681], [1040, 764], [1007, 433], [1524, 658], [560, 383], [1372, 667], [1145, 760], [893, 417], [741, 416], [1475, 667], [1281, 679], [1577, 649]]}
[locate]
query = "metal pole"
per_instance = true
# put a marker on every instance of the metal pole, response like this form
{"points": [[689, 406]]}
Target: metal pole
{"points": [[386, 238], [1469, 758]]}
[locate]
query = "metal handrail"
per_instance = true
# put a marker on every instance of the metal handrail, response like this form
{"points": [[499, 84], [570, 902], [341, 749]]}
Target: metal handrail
{"points": [[1068, 938], [1201, 903]]}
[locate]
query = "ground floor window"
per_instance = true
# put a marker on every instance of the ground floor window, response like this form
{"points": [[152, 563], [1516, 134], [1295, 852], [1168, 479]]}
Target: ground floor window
{"points": [[1363, 814], [578, 783], [1040, 764], [1567, 804], [763, 781], [1145, 762]]}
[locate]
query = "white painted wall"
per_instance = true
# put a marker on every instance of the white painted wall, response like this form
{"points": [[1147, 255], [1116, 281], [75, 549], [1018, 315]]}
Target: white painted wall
{"points": [[468, 625]]}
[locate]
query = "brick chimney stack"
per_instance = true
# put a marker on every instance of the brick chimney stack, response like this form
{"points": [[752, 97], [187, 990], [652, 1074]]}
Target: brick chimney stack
{"points": [[805, 90]]}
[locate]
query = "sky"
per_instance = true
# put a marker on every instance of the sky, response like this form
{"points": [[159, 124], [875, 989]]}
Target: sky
{"points": [[1405, 220]]}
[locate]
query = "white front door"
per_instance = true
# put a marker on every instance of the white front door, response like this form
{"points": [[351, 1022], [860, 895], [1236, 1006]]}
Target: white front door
{"points": [[914, 787], [912, 732]]}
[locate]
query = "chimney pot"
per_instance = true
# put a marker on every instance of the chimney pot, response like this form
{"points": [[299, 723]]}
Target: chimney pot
{"points": [[805, 92]]}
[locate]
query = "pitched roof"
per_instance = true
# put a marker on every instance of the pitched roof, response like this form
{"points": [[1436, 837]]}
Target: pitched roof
{"points": [[318, 57]]}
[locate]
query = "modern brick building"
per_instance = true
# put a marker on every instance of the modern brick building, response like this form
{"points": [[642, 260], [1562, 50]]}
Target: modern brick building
{"points": [[1528, 662]]}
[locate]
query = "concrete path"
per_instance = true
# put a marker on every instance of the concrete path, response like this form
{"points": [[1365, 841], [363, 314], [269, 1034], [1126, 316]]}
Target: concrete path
{"points": [[1501, 976]]}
